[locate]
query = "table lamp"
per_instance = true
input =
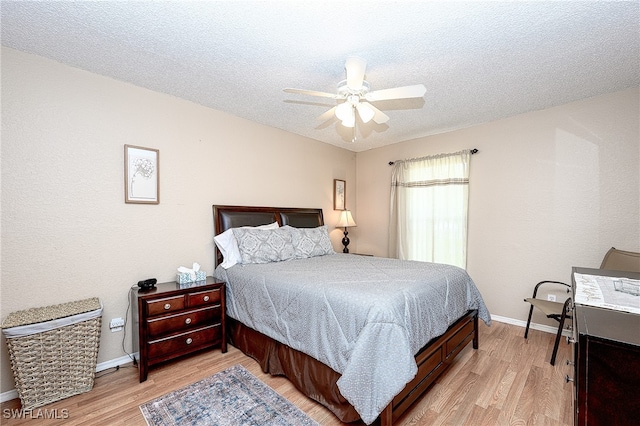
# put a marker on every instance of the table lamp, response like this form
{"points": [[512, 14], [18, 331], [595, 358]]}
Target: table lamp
{"points": [[346, 221]]}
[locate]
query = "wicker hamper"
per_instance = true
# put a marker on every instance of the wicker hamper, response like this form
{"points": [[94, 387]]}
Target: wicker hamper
{"points": [[54, 350]]}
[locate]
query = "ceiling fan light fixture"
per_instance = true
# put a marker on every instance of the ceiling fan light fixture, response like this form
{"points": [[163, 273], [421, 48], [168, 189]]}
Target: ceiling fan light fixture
{"points": [[349, 123], [350, 120], [365, 112], [344, 111]]}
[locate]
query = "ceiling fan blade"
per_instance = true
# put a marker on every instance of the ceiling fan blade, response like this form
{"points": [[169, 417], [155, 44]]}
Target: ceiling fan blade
{"points": [[378, 116], [355, 72], [416, 91], [311, 93], [328, 114]]}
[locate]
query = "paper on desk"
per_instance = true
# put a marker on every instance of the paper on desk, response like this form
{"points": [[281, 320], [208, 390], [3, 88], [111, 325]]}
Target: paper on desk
{"points": [[599, 291]]}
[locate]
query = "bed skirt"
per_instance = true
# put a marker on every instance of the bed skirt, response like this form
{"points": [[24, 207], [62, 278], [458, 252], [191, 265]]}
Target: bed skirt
{"points": [[310, 376]]}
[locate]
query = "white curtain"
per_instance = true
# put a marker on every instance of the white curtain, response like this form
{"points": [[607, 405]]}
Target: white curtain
{"points": [[428, 212]]}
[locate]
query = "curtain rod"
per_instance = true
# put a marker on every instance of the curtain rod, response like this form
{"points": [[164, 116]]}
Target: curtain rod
{"points": [[473, 151]]}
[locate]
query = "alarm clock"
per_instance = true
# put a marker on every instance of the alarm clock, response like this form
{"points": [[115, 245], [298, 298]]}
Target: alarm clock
{"points": [[147, 284]]}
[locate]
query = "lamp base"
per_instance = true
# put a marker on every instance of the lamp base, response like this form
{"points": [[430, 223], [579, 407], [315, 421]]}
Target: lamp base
{"points": [[345, 241]]}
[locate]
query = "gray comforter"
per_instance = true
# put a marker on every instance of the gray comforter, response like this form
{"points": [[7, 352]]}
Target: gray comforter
{"points": [[365, 317]]}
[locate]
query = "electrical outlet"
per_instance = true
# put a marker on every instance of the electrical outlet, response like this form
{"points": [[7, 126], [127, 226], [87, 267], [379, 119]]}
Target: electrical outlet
{"points": [[551, 297], [116, 324]]}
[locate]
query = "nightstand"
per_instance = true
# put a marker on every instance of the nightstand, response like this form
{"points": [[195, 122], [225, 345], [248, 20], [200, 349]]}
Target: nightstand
{"points": [[172, 320]]}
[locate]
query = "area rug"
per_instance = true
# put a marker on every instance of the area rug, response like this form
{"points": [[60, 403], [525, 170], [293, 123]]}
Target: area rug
{"points": [[232, 397]]}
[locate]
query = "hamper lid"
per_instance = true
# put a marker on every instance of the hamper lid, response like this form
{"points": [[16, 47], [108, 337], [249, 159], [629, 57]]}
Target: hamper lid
{"points": [[49, 313]]}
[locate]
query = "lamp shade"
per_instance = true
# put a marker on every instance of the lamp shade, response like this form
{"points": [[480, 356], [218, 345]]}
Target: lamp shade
{"points": [[350, 121], [365, 112], [344, 111], [346, 220]]}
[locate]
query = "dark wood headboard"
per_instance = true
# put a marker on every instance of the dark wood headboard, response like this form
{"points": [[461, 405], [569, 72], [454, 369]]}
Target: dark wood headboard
{"points": [[226, 217]]}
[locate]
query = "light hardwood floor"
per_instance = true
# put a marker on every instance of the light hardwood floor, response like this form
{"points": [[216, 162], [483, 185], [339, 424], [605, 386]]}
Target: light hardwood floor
{"points": [[507, 381]]}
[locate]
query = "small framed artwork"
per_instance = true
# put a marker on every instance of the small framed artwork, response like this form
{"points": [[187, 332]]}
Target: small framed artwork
{"points": [[339, 194], [141, 175]]}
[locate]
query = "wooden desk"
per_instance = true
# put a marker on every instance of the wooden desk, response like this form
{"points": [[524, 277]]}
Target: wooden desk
{"points": [[606, 361]]}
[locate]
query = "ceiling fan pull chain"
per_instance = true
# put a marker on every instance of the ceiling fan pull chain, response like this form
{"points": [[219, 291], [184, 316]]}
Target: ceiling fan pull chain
{"points": [[354, 128]]}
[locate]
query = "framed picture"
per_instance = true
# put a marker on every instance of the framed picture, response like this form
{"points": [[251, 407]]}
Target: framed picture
{"points": [[339, 194], [141, 175]]}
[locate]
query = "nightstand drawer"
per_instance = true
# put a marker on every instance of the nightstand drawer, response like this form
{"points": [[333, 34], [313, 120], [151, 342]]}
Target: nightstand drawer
{"points": [[185, 342], [163, 326], [162, 306], [200, 298]]}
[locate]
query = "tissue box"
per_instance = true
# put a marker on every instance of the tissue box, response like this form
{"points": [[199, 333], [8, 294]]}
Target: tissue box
{"points": [[185, 278]]}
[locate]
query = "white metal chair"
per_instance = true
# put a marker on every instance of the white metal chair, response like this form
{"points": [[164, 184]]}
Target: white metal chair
{"points": [[557, 310]]}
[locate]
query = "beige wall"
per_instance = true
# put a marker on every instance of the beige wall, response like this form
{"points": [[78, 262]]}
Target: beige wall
{"points": [[67, 233], [549, 190]]}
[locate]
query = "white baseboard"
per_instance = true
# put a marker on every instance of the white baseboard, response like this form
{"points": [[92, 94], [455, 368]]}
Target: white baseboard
{"points": [[533, 326], [9, 395], [13, 394], [116, 362]]}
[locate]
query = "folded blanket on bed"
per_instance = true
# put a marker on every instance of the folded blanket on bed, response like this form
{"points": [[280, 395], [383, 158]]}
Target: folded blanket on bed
{"points": [[365, 317]]}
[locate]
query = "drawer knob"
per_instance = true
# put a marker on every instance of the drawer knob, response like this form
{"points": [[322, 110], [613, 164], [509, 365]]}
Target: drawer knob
{"points": [[188, 321], [570, 363], [570, 340], [206, 298], [567, 379], [190, 340], [167, 305]]}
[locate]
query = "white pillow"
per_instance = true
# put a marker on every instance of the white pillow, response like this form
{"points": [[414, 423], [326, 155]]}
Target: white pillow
{"points": [[228, 245]]}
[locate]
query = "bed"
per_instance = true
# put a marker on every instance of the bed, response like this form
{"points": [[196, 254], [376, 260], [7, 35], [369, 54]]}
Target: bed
{"points": [[354, 333]]}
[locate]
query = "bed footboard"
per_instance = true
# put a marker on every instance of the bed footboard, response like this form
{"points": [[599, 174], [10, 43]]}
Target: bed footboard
{"points": [[432, 361]]}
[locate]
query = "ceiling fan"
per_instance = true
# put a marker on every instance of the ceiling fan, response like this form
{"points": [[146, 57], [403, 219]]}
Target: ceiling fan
{"points": [[357, 95]]}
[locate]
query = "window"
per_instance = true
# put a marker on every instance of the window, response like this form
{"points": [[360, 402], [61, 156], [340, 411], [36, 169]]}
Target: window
{"points": [[428, 212]]}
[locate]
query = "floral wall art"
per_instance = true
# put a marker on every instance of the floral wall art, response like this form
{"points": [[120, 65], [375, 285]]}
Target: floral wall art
{"points": [[142, 175]]}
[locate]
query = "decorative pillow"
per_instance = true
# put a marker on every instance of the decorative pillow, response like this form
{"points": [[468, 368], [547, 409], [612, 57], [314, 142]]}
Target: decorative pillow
{"points": [[228, 246], [310, 242], [264, 245]]}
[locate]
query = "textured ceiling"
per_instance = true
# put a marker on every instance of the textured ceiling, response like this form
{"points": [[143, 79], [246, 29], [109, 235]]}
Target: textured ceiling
{"points": [[479, 61]]}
